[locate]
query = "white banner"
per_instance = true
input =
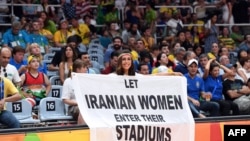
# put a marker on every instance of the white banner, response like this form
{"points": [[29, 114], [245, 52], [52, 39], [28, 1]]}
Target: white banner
{"points": [[134, 108]]}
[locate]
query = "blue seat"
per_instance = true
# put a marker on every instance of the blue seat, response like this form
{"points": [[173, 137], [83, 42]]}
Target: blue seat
{"points": [[95, 51], [96, 46], [98, 58], [56, 91], [52, 109], [54, 49], [55, 80], [48, 56], [22, 110]]}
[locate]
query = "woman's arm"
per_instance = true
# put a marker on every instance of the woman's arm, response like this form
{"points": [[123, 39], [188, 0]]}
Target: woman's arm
{"points": [[61, 72], [47, 84], [207, 67]]}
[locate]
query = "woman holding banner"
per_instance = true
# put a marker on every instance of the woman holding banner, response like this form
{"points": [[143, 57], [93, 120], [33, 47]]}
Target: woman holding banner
{"points": [[125, 65]]}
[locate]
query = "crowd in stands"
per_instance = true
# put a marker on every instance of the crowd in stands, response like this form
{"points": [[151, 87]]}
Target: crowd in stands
{"points": [[51, 39]]}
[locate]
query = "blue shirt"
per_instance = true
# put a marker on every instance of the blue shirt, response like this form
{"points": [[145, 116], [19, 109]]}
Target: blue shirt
{"points": [[108, 54], [43, 68], [12, 40], [194, 86], [182, 68], [40, 40], [18, 65], [214, 86]]}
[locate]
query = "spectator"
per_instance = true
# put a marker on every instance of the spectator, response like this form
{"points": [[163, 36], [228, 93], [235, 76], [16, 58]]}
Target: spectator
{"points": [[113, 30], [30, 10], [162, 64], [36, 37], [198, 50], [184, 12], [174, 26], [226, 39], [7, 70], [72, 41], [182, 65], [244, 69], [213, 84], [6, 117], [16, 37], [50, 10], [84, 56], [132, 32], [61, 35], [197, 97], [36, 51], [18, 60], [93, 31], [36, 84], [117, 45], [68, 57], [48, 24], [143, 69], [45, 32], [112, 65], [246, 43], [235, 90], [80, 29], [236, 35], [214, 53], [68, 95], [147, 37], [203, 59]]}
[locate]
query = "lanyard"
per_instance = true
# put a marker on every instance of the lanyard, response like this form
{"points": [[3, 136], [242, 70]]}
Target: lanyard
{"points": [[1, 88]]}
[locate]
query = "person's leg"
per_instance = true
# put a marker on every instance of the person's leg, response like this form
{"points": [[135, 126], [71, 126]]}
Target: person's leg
{"points": [[212, 107], [8, 119], [193, 109], [235, 108], [225, 107]]}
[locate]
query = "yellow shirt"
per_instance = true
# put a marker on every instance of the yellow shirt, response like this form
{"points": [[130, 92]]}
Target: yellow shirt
{"points": [[149, 42], [135, 55], [211, 55], [155, 70], [9, 88], [171, 57], [45, 32], [199, 28], [60, 38], [82, 30]]}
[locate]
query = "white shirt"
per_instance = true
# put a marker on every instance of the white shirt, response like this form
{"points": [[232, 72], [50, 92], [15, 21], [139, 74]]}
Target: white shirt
{"points": [[67, 91], [12, 73]]}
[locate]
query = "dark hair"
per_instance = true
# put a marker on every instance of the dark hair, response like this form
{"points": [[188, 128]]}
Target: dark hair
{"points": [[117, 37], [120, 70], [243, 60], [239, 52], [198, 46], [158, 58], [140, 65], [212, 66], [114, 54], [17, 49], [64, 58], [74, 38], [81, 54]]}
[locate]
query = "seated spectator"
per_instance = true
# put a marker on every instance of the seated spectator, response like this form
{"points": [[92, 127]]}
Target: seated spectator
{"points": [[84, 56], [226, 39], [29, 10], [7, 70], [93, 30], [36, 51], [113, 30], [162, 64], [105, 39], [36, 37], [214, 53], [182, 66], [235, 90], [143, 69], [6, 117], [18, 60], [68, 95], [112, 63], [246, 43], [61, 35], [48, 9], [35, 84], [117, 45], [145, 57], [71, 41], [45, 32], [80, 29], [48, 24], [244, 69], [147, 37], [198, 99], [16, 37], [203, 59], [132, 32], [213, 84], [68, 57], [236, 35]]}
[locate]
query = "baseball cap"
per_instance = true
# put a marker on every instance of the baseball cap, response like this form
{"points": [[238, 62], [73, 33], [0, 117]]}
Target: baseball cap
{"points": [[231, 65], [192, 61]]}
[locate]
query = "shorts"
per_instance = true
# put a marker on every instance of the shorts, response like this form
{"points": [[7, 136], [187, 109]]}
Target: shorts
{"points": [[74, 111]]}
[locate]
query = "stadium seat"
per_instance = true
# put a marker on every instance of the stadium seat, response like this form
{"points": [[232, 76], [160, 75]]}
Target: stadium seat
{"points": [[95, 51], [51, 109], [22, 110], [54, 49], [98, 58], [95, 41], [56, 91], [96, 46], [48, 56], [46, 62], [52, 73], [55, 80]]}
